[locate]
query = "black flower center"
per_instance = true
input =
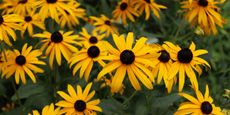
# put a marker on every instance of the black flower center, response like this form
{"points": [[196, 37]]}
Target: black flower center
{"points": [[123, 6], [28, 18], [203, 3], [20, 60], [51, 1], [93, 40], [206, 107], [185, 55], [127, 57], [56, 37], [1, 19], [93, 51], [148, 1], [164, 57], [80, 105], [22, 1], [107, 22]]}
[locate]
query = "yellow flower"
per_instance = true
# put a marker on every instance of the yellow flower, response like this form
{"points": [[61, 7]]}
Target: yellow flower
{"points": [[186, 61], [204, 13], [107, 82], [8, 6], [24, 6], [125, 9], [163, 65], [9, 23], [88, 39], [86, 57], [57, 44], [72, 19], [130, 60], [104, 25], [148, 6], [30, 20], [78, 103], [52, 8], [203, 105], [4, 55], [23, 63], [47, 110]]}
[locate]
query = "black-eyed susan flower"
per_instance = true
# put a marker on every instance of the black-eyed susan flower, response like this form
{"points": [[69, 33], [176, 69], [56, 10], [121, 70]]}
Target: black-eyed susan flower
{"points": [[20, 64], [186, 61], [205, 14], [7, 6], [123, 10], [86, 57], [202, 105], [163, 65], [57, 44], [128, 59], [71, 20], [104, 25], [90, 39], [24, 6], [31, 20], [47, 110], [9, 23], [3, 59], [52, 8], [80, 102], [148, 6]]}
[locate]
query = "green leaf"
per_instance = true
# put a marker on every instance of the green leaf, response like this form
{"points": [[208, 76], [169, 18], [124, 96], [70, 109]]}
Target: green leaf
{"points": [[29, 89]]}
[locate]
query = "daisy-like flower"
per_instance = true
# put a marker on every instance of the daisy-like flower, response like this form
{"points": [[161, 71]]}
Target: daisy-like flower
{"points": [[104, 25], [203, 105], [90, 39], [72, 19], [52, 8], [186, 61], [205, 14], [107, 82], [24, 6], [7, 6], [9, 23], [125, 9], [30, 20], [47, 110], [86, 57], [148, 6], [3, 59], [130, 60], [23, 63], [57, 44], [80, 102], [163, 66]]}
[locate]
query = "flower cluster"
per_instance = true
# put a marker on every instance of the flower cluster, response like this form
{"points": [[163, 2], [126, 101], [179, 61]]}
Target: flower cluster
{"points": [[124, 57]]}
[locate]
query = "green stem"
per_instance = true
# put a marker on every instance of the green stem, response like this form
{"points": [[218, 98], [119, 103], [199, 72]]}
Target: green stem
{"points": [[55, 80], [126, 101], [16, 92]]}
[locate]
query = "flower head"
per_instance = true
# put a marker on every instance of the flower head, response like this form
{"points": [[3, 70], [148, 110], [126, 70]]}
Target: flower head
{"points": [[79, 102]]}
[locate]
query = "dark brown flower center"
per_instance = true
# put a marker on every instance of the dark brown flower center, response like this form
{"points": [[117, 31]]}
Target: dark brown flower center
{"points": [[22, 1], [56, 37], [164, 57], [148, 1], [93, 40], [80, 105], [107, 22], [206, 107], [1, 19], [93, 51], [185, 55], [123, 6], [28, 18], [51, 1], [127, 57], [20, 60], [203, 3]]}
